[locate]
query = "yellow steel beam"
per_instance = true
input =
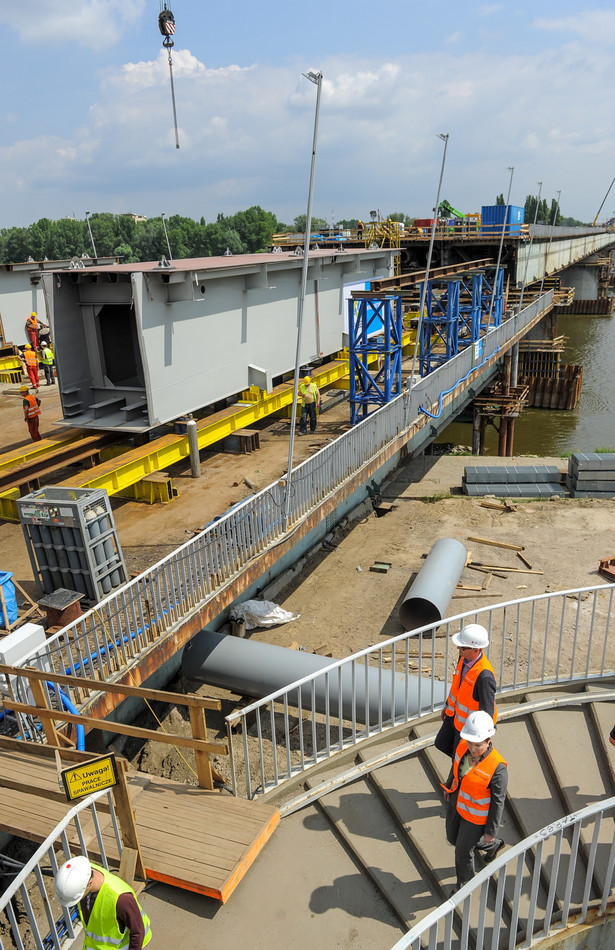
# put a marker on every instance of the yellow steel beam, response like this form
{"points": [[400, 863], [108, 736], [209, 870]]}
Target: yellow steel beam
{"points": [[37, 450], [119, 473]]}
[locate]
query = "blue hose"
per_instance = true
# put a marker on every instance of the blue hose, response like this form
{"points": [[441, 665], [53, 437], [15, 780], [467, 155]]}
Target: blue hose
{"points": [[71, 708], [454, 386]]}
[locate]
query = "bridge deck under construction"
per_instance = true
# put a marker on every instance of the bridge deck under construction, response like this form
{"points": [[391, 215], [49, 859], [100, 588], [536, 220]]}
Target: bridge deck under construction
{"points": [[194, 839]]}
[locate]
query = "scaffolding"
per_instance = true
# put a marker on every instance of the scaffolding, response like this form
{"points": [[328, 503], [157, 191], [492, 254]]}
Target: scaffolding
{"points": [[374, 327]]}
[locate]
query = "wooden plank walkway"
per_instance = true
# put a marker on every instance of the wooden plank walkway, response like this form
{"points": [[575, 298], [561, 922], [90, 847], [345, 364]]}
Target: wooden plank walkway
{"points": [[198, 840]]}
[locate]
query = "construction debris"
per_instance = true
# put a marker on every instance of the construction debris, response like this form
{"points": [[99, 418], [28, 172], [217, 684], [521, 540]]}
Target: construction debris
{"points": [[497, 544], [381, 567]]}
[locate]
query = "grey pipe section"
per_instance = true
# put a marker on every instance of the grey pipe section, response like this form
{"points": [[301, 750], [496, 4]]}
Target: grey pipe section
{"points": [[429, 596], [258, 669]]}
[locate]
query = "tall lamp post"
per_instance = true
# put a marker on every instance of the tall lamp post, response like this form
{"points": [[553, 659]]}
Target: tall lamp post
{"points": [[444, 137], [87, 218], [511, 169], [164, 226], [553, 225], [316, 78]]}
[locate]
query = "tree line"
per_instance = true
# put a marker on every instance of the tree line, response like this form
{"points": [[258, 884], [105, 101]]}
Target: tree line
{"points": [[548, 212], [114, 235], [246, 232]]}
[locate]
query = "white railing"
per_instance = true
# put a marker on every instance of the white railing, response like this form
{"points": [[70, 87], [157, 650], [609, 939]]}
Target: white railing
{"points": [[112, 636], [29, 909], [551, 638], [546, 881]]}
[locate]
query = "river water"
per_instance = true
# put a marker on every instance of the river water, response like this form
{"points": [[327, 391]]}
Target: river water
{"points": [[551, 432]]}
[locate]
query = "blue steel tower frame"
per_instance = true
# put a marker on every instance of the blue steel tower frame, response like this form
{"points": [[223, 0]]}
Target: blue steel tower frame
{"points": [[368, 390]]}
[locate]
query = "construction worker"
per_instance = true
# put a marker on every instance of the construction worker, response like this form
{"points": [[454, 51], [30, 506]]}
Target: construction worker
{"points": [[310, 402], [30, 361], [110, 912], [48, 361], [33, 329], [473, 686], [475, 792], [31, 412], [360, 230]]}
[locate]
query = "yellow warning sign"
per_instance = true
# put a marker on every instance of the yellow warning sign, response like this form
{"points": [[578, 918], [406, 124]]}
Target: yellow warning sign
{"points": [[89, 777]]}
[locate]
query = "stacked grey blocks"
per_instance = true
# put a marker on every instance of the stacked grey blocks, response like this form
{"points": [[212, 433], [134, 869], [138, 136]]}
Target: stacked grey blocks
{"points": [[591, 475], [514, 481]]}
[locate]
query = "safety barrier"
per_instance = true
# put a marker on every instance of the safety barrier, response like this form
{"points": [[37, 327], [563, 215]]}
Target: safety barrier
{"points": [[544, 640], [473, 916], [113, 635], [29, 903]]}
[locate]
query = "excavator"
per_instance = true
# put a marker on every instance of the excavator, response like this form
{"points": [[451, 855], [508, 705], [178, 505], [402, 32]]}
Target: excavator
{"points": [[471, 222]]}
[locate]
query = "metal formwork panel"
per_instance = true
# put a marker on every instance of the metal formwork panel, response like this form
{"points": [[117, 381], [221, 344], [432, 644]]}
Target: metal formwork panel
{"points": [[72, 541]]}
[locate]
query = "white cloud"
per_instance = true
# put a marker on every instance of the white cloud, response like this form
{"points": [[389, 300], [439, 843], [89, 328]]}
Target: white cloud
{"points": [[91, 23], [489, 9], [246, 134], [595, 27]]}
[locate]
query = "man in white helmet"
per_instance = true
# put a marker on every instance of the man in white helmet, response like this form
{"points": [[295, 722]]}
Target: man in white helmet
{"points": [[475, 792], [108, 907], [473, 686]]}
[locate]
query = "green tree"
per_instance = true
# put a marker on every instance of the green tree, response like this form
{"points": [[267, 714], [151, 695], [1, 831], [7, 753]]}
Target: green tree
{"points": [[318, 224], [255, 227], [500, 200]]}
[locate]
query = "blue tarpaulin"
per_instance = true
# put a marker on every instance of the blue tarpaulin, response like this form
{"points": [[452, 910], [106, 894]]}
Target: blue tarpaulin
{"points": [[10, 600]]}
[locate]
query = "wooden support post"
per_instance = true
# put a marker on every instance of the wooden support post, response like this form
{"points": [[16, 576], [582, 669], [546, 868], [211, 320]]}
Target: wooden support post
{"points": [[503, 438], [510, 438], [203, 762], [40, 698], [476, 432], [127, 821]]}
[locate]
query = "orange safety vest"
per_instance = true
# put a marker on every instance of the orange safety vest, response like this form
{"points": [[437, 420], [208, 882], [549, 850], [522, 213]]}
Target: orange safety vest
{"points": [[30, 357], [33, 407], [32, 323], [460, 702], [474, 796]]}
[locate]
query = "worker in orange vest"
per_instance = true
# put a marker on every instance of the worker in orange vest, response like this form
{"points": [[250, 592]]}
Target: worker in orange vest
{"points": [[30, 361], [33, 328], [473, 686], [31, 413], [475, 793]]}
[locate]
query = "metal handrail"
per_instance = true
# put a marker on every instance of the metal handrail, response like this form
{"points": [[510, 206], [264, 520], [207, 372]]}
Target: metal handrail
{"points": [[567, 641], [112, 636], [31, 883], [537, 921]]}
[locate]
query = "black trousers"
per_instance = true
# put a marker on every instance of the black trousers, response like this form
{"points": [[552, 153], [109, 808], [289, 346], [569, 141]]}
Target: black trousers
{"points": [[308, 410], [464, 835]]}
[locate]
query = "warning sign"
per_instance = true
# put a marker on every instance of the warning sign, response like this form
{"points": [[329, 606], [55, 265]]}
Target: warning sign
{"points": [[89, 777]]}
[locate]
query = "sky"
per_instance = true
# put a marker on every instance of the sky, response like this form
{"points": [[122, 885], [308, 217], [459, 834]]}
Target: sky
{"points": [[87, 119]]}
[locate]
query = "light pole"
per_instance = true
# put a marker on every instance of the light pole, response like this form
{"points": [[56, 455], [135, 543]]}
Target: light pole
{"points": [[529, 250], [553, 224], [316, 78], [444, 137], [511, 169], [166, 235], [87, 218]]}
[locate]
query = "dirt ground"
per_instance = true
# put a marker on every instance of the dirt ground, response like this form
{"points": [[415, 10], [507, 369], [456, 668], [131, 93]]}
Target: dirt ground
{"points": [[343, 606]]}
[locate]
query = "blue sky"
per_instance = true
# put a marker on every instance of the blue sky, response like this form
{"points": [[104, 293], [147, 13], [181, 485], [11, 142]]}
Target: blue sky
{"points": [[87, 121]]}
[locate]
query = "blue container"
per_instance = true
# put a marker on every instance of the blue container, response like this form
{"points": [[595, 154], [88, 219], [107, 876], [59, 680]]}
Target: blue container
{"points": [[10, 600], [492, 219]]}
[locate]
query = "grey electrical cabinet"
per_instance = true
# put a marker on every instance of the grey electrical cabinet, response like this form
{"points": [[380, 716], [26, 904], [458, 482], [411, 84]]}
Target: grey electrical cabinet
{"points": [[72, 541]]}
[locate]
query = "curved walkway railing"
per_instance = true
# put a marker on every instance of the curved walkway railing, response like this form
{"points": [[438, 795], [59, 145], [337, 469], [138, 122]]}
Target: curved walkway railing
{"points": [[113, 635], [29, 907], [552, 855], [552, 638]]}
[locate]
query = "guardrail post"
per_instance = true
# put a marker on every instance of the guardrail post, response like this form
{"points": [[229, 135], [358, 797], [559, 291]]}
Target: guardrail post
{"points": [[127, 820], [203, 762]]}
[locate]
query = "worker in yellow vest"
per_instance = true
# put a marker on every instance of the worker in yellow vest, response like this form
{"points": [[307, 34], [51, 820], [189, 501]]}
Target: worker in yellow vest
{"points": [[475, 793], [108, 907], [310, 402], [48, 361], [30, 361], [31, 413], [473, 687]]}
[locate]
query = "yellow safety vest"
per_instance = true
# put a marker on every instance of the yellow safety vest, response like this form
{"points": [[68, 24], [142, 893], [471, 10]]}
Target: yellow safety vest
{"points": [[102, 931]]}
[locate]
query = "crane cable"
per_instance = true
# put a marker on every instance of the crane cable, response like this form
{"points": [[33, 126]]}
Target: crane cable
{"points": [[166, 25]]}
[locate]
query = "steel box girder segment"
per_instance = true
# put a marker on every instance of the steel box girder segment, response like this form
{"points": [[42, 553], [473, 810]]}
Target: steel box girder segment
{"points": [[364, 315]]}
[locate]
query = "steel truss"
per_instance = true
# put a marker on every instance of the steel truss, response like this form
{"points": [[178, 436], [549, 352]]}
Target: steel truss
{"points": [[367, 316]]}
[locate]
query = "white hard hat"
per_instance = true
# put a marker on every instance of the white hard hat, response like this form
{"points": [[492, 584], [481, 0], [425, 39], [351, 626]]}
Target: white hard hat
{"points": [[72, 879], [43, 343], [478, 727], [471, 636]]}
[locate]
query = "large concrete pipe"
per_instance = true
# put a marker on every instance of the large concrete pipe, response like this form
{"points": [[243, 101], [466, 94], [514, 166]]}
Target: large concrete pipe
{"points": [[429, 596], [258, 669]]}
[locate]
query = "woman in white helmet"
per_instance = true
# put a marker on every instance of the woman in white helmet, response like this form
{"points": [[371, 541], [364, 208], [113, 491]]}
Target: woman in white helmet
{"points": [[475, 792], [108, 907], [473, 686]]}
